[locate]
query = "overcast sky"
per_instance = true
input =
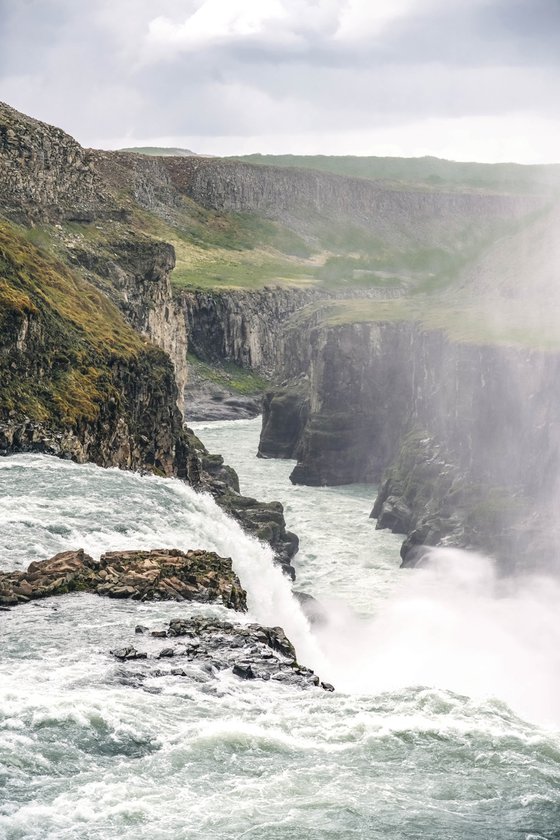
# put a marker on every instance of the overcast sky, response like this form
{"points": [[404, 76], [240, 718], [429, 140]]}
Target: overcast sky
{"points": [[463, 79]]}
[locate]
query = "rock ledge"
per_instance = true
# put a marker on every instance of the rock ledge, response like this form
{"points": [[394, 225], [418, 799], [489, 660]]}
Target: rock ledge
{"points": [[160, 575]]}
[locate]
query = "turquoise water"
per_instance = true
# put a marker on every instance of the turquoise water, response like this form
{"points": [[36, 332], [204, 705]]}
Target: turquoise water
{"points": [[445, 720]]}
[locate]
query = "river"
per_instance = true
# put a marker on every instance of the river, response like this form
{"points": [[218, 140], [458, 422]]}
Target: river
{"points": [[444, 724]]}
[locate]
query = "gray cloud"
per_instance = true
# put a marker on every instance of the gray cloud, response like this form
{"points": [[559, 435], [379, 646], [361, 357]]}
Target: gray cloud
{"points": [[111, 69]]}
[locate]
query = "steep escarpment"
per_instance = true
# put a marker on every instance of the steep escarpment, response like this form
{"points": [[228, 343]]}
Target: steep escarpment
{"points": [[463, 437], [76, 379], [134, 272], [308, 200], [247, 327], [46, 175], [94, 344], [59, 193]]}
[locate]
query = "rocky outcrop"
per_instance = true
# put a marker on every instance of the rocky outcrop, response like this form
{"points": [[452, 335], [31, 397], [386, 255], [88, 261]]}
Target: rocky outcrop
{"points": [[359, 402], [45, 175], [248, 328], [263, 520], [196, 648], [463, 437], [202, 649], [313, 202], [285, 414], [135, 272], [158, 575]]}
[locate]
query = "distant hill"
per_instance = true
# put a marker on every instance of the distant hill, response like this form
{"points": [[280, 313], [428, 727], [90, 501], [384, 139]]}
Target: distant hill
{"points": [[159, 151], [427, 172]]}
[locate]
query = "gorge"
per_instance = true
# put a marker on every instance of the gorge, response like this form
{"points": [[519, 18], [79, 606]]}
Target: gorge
{"points": [[395, 338]]}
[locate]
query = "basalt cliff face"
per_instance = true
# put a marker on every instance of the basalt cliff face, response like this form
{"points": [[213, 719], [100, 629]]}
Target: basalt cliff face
{"points": [[463, 439], [248, 328], [307, 200], [93, 343]]}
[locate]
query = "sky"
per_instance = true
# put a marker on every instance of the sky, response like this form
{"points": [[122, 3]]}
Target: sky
{"points": [[461, 79]]}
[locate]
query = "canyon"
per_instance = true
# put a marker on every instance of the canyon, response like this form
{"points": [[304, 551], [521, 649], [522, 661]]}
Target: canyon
{"points": [[394, 335]]}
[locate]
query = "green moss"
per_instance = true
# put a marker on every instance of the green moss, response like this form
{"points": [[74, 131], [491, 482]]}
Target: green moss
{"points": [[60, 337], [229, 376]]}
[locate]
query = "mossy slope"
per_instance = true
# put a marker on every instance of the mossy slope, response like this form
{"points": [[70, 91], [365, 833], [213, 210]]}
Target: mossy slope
{"points": [[59, 336]]}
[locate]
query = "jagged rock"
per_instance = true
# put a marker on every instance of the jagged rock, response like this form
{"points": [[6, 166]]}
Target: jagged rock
{"points": [[128, 653], [205, 646], [394, 515], [161, 574], [285, 413], [266, 521], [244, 671]]}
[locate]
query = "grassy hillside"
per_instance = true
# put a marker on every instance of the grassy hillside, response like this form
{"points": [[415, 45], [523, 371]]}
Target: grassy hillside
{"points": [[59, 336], [427, 172], [231, 251]]}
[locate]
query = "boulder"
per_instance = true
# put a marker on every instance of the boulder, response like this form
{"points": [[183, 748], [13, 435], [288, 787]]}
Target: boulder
{"points": [[202, 648], [158, 575]]}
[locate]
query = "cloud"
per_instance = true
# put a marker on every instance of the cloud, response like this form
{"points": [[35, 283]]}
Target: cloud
{"points": [[313, 72], [215, 22]]}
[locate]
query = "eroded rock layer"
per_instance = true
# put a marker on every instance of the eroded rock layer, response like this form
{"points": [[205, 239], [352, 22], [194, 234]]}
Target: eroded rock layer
{"points": [[201, 648], [158, 575]]}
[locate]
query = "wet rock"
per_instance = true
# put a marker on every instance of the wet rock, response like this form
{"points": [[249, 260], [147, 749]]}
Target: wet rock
{"points": [[394, 515], [285, 413], [128, 653], [160, 575], [205, 647], [244, 671], [206, 401], [265, 520]]}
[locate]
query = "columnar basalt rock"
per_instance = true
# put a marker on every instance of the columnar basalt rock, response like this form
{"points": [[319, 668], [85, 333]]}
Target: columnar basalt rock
{"points": [[45, 175], [464, 438]]}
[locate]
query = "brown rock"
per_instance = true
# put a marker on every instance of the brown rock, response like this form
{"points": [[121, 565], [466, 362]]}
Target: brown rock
{"points": [[161, 574]]}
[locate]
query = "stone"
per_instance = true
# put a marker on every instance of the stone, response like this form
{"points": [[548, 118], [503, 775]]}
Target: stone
{"points": [[160, 574], [244, 671], [127, 654], [250, 652]]}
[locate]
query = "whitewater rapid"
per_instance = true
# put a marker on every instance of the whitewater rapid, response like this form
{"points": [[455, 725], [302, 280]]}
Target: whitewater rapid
{"points": [[443, 725]]}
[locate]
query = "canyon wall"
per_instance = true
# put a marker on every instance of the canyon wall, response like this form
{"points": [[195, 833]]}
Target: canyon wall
{"points": [[92, 341], [310, 201], [464, 439]]}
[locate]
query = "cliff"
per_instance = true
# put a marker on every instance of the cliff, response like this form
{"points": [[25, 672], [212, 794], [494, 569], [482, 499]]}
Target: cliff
{"points": [[463, 438], [312, 202], [115, 264], [247, 328], [76, 379], [93, 342], [46, 175]]}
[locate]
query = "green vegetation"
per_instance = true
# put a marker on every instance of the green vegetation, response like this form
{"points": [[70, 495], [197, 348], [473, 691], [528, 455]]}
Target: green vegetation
{"points": [[61, 335], [159, 151], [229, 251], [229, 376], [484, 322], [427, 172]]}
